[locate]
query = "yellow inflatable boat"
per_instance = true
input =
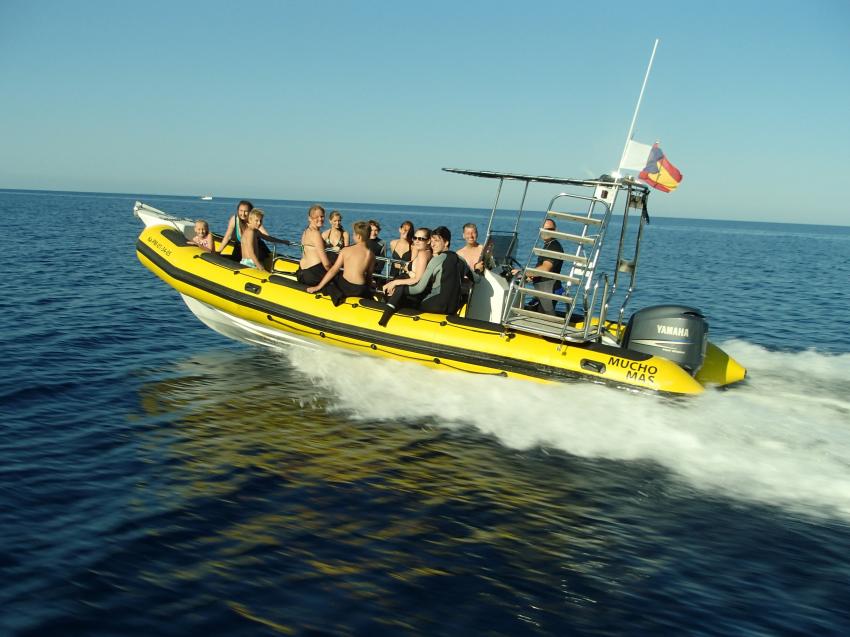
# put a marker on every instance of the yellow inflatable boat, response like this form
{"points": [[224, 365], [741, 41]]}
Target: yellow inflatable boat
{"points": [[661, 349]]}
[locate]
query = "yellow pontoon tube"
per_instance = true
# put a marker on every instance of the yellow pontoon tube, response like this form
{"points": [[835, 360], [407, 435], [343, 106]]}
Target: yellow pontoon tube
{"points": [[274, 309]]}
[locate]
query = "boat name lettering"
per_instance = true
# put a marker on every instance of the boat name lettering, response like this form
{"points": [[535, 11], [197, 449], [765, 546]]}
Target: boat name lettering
{"points": [[669, 330], [644, 377], [634, 366], [156, 244]]}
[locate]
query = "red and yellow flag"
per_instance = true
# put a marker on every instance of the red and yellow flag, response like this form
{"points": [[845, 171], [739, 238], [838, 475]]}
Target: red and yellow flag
{"points": [[660, 173]]}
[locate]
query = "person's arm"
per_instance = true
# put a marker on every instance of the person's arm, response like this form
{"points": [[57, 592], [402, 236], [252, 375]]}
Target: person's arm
{"points": [[370, 265], [249, 240], [433, 270], [330, 274], [419, 272], [203, 245], [546, 266], [470, 273], [345, 239], [227, 235], [323, 255], [479, 262], [266, 235], [421, 263]]}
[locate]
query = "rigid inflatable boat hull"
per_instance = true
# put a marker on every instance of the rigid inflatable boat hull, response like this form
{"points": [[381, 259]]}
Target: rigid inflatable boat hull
{"points": [[254, 307]]}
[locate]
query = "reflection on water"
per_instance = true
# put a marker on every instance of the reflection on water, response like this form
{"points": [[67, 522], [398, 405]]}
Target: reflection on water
{"points": [[379, 513], [275, 501]]}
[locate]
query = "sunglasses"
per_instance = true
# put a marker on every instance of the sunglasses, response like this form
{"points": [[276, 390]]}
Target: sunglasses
{"points": [[420, 238]]}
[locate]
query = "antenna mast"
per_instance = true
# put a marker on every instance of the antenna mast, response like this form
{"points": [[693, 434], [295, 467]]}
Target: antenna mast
{"points": [[637, 107]]}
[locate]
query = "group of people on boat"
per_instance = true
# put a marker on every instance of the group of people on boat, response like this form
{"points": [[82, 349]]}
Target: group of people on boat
{"points": [[246, 228], [421, 272]]}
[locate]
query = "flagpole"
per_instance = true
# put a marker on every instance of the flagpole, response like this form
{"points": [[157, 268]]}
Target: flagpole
{"points": [[637, 107]]}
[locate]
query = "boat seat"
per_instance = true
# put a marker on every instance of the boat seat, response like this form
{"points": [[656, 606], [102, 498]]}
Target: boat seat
{"points": [[288, 282], [175, 236], [478, 324], [379, 305], [225, 262]]}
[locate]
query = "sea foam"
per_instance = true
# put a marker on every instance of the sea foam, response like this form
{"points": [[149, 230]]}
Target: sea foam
{"points": [[782, 437]]}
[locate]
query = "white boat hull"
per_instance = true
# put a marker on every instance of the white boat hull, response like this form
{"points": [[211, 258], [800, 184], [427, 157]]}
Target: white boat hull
{"points": [[152, 217], [242, 330]]}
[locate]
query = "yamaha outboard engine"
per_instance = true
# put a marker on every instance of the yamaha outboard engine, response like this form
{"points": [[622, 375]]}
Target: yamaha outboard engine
{"points": [[674, 332]]}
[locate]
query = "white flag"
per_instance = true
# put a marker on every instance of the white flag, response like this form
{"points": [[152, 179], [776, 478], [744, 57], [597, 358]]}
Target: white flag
{"points": [[635, 156]]}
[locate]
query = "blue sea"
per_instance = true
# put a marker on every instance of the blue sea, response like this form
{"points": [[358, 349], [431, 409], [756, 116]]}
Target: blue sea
{"points": [[158, 479]]}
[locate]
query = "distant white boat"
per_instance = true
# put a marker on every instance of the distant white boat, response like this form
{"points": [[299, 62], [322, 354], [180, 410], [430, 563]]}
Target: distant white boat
{"points": [[206, 198]]}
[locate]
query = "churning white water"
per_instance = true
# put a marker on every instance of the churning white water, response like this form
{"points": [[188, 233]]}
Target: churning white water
{"points": [[781, 438]]}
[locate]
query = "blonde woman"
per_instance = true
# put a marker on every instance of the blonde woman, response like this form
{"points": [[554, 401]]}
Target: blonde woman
{"points": [[336, 237]]}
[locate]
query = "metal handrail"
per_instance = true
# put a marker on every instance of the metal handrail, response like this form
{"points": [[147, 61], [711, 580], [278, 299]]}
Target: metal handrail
{"points": [[589, 278]]}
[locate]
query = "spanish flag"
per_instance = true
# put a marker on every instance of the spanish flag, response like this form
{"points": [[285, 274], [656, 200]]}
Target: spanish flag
{"points": [[660, 173]]}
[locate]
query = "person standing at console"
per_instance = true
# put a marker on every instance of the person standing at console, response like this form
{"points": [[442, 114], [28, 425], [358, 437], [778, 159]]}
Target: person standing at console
{"points": [[547, 264], [314, 260]]}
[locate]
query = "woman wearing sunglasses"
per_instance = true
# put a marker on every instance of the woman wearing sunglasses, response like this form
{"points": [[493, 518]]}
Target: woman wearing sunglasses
{"points": [[439, 287], [420, 256]]}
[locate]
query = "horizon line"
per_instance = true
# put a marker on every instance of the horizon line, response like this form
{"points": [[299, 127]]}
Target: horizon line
{"points": [[307, 201]]}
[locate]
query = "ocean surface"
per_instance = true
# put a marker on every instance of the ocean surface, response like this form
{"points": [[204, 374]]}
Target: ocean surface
{"points": [[158, 479]]}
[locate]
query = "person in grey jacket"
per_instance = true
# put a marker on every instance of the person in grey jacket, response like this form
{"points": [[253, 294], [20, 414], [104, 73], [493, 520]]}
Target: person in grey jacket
{"points": [[440, 287]]}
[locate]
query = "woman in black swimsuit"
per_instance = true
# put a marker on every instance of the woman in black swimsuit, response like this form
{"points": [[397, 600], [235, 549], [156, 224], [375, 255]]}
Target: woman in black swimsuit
{"points": [[336, 237], [400, 249]]}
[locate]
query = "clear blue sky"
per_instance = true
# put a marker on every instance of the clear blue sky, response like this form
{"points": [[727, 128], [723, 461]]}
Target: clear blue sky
{"points": [[366, 101]]}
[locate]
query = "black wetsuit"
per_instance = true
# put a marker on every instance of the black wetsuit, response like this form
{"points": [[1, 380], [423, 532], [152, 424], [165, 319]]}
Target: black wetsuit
{"points": [[378, 248], [339, 289], [312, 275]]}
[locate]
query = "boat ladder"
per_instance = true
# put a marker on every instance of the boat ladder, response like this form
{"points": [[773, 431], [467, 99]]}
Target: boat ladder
{"points": [[536, 289]]}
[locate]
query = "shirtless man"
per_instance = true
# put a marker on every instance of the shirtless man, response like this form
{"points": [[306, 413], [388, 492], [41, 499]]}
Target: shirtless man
{"points": [[314, 260], [251, 240], [472, 252], [356, 263]]}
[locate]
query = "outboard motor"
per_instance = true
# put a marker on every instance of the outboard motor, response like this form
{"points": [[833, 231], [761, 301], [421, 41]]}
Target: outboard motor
{"points": [[674, 332]]}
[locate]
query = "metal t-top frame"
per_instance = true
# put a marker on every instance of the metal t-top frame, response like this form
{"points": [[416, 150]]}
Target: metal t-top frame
{"points": [[605, 192], [541, 179]]}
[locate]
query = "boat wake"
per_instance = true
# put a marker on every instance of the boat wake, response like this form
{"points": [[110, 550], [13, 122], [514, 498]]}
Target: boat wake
{"points": [[782, 438]]}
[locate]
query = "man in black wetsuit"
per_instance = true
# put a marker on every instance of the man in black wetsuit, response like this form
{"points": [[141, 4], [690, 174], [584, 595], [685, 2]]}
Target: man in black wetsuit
{"points": [[547, 264]]}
